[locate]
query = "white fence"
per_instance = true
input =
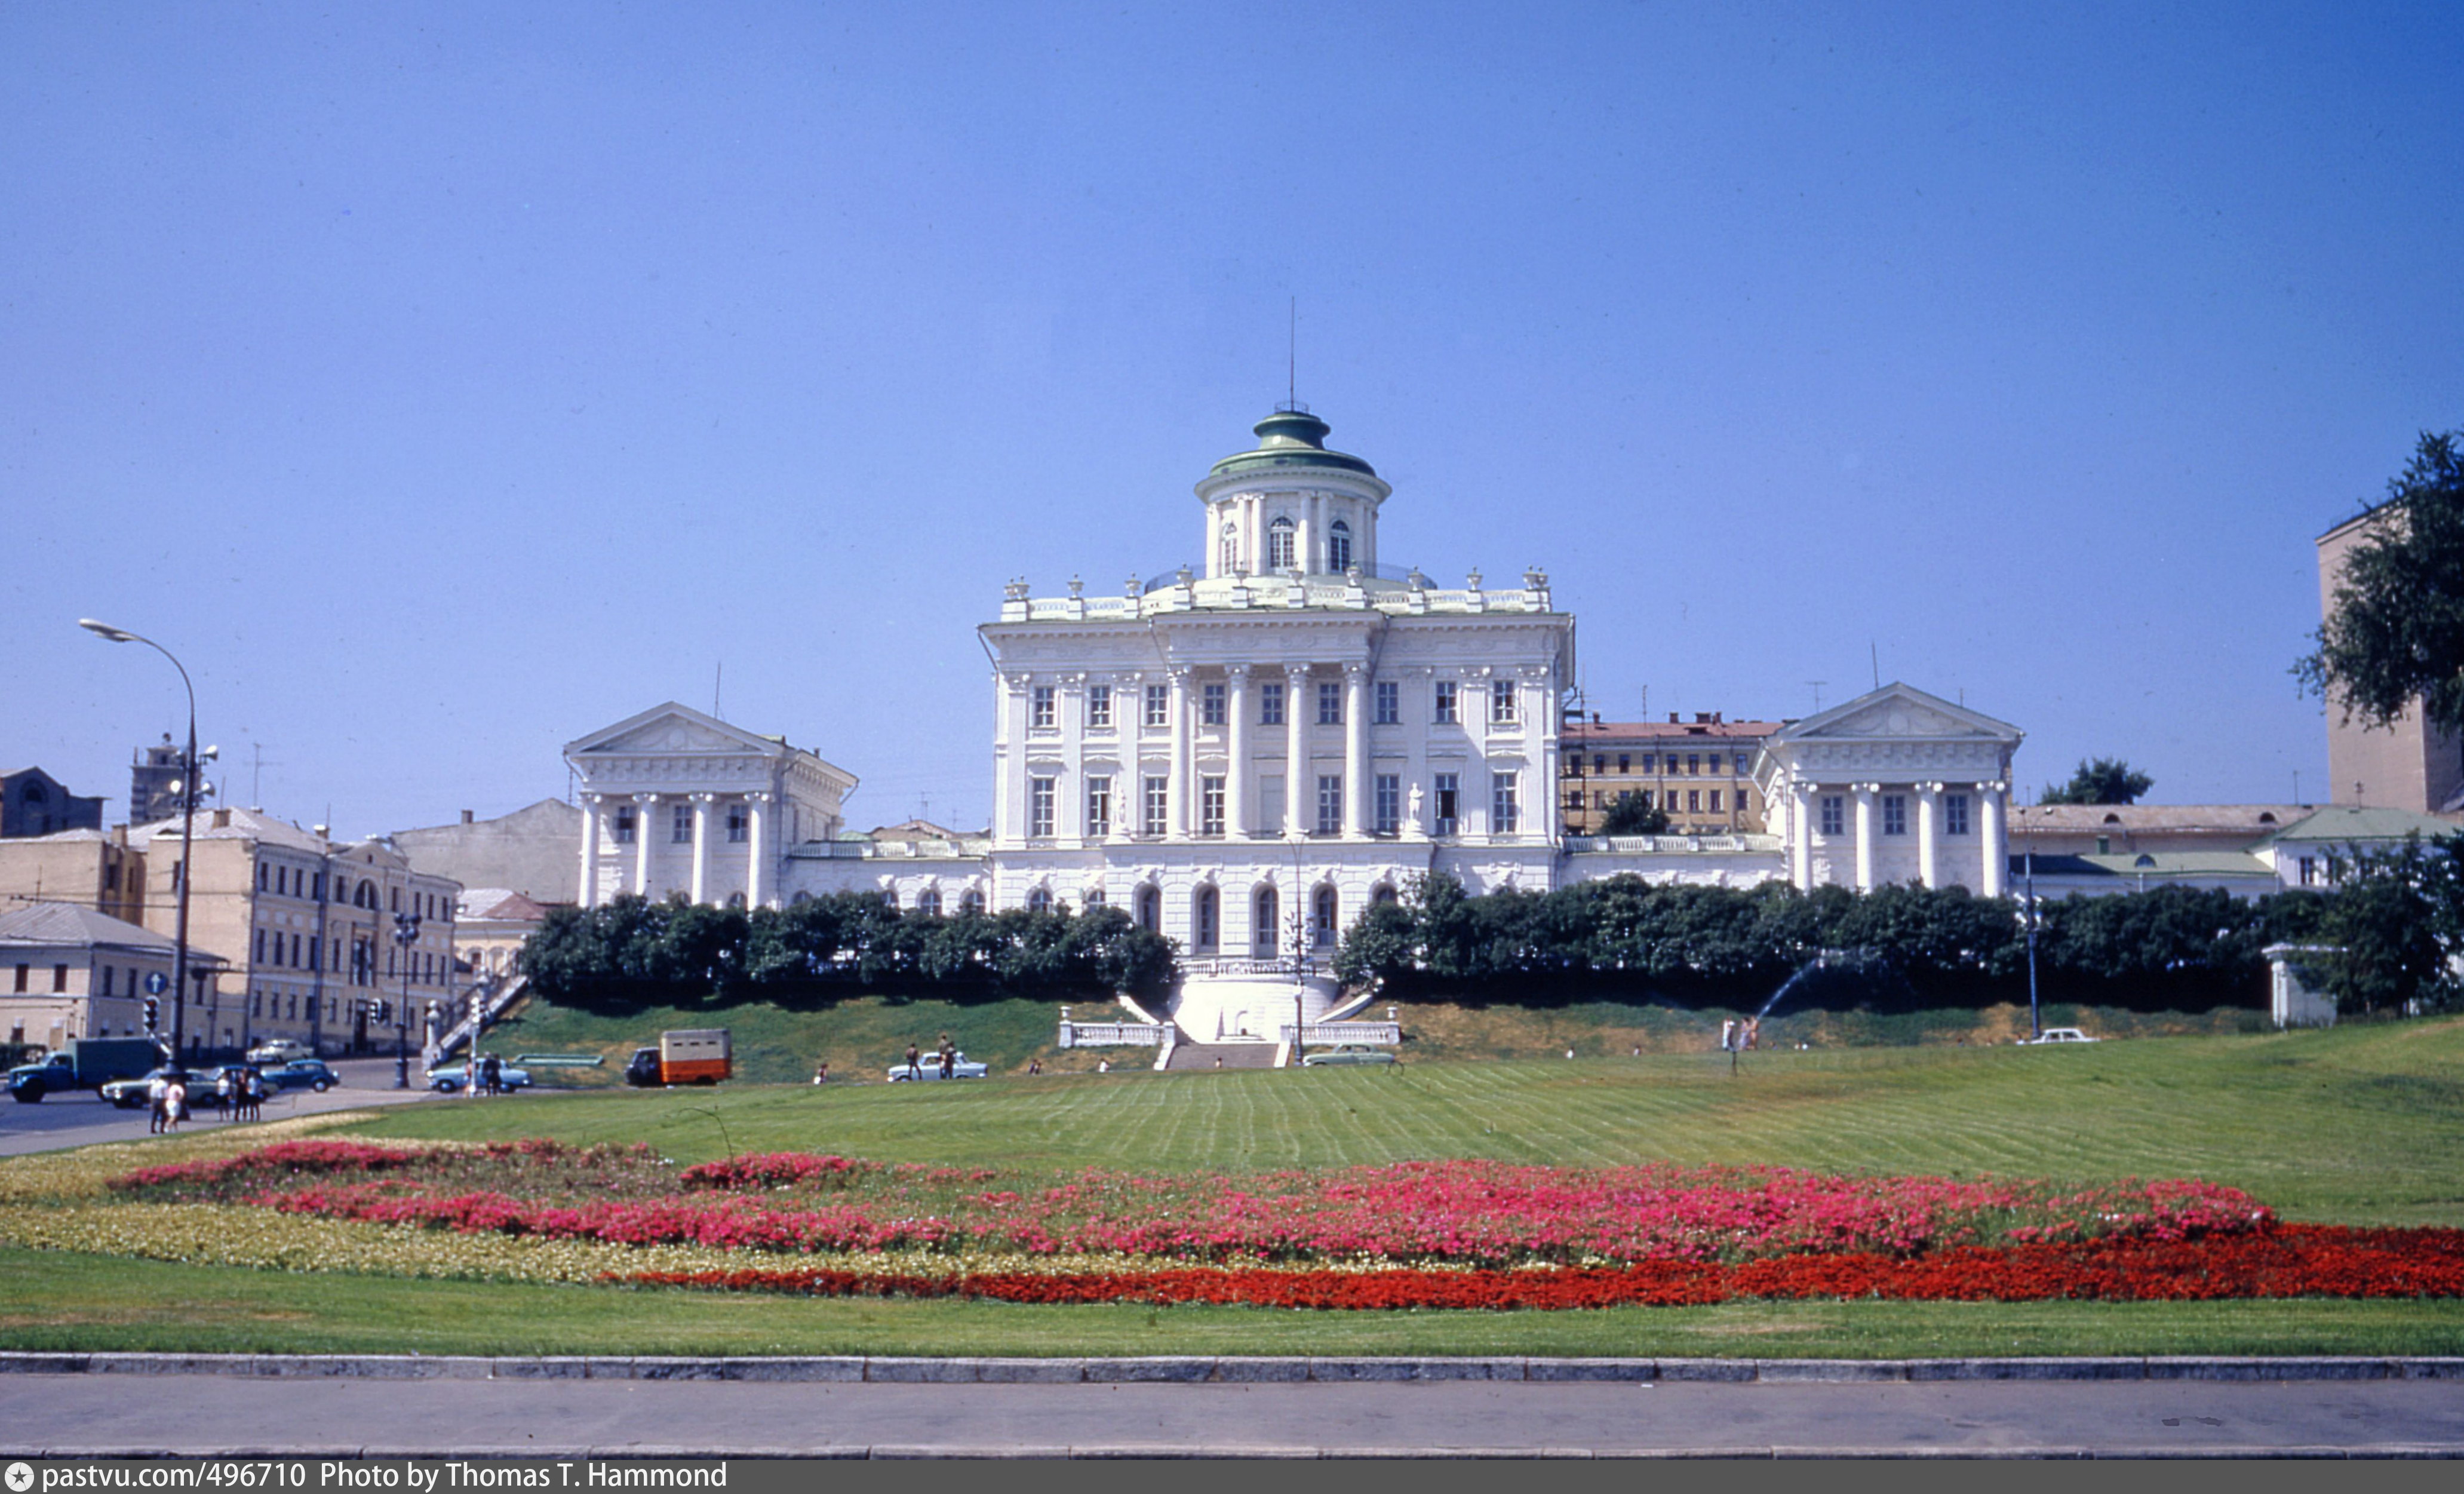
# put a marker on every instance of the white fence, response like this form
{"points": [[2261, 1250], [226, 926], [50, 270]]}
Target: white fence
{"points": [[1113, 1035], [1379, 1035]]}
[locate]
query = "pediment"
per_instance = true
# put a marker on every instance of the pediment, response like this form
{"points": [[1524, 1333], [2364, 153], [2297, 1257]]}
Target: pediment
{"points": [[1899, 719], [1900, 713], [672, 728]]}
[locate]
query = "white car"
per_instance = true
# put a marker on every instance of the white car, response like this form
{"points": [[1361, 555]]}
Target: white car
{"points": [[279, 1050], [2059, 1035], [449, 1076], [929, 1066]]}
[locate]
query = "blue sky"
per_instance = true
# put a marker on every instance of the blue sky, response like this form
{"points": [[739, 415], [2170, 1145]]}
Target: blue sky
{"points": [[442, 383]]}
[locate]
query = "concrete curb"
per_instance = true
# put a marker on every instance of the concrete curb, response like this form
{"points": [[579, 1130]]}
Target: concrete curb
{"points": [[1230, 1369]]}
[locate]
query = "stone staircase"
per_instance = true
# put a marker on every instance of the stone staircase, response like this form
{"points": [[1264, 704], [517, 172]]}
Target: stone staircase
{"points": [[1235, 1055]]}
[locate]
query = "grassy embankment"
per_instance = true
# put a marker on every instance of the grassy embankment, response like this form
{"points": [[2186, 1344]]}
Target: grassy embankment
{"points": [[2355, 1125]]}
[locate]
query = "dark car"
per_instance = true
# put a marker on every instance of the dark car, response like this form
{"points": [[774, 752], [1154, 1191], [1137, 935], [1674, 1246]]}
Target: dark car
{"points": [[302, 1074]]}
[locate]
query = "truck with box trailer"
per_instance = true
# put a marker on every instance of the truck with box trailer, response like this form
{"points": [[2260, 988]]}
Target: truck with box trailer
{"points": [[685, 1055], [84, 1063]]}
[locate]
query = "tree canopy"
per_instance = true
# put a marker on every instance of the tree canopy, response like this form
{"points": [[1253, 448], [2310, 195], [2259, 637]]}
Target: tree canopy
{"points": [[2102, 780], [1629, 816], [2394, 632]]}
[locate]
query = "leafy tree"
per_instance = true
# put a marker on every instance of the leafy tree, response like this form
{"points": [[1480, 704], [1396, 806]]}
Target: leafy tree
{"points": [[2396, 630], [2103, 780], [2392, 919], [1630, 816]]}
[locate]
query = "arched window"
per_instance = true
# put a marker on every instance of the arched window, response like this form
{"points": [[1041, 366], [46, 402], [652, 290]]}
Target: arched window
{"points": [[1268, 911], [1385, 893], [1228, 551], [1322, 918], [1039, 900], [1204, 924], [1338, 547], [928, 901], [798, 901], [889, 898], [1150, 902], [971, 902], [1278, 544]]}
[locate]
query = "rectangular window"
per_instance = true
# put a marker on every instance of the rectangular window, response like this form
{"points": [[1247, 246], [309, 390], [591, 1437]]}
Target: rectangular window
{"points": [[1039, 707], [1693, 763], [737, 824], [1954, 814], [1039, 806], [1330, 804], [1210, 804], [1210, 704], [1271, 704], [1835, 815], [1099, 806], [1329, 703], [1715, 801], [1599, 763], [1574, 799], [2309, 878], [1505, 804], [1501, 703], [1625, 763], [1270, 804], [1390, 803], [1648, 759], [264, 875], [1158, 706], [1693, 801], [107, 982], [1740, 767], [1895, 814], [624, 824], [1449, 806], [59, 977], [256, 952], [1099, 707], [1574, 765], [1443, 710], [1158, 803], [22, 971], [680, 825], [1390, 704]]}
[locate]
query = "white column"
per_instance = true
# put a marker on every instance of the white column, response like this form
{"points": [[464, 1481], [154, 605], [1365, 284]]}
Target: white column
{"points": [[1865, 793], [1236, 748], [1184, 733], [643, 816], [701, 846], [1929, 807], [1355, 750], [755, 821], [589, 851], [1304, 538], [1300, 777], [1997, 848], [1800, 835]]}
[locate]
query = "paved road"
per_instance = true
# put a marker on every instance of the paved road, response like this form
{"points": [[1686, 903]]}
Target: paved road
{"points": [[95, 1415], [80, 1120]]}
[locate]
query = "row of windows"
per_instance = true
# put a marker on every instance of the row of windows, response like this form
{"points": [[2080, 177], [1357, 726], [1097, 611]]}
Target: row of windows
{"points": [[298, 882], [1043, 799], [1834, 814], [1283, 546], [1214, 707], [1695, 801], [1736, 763], [680, 825]]}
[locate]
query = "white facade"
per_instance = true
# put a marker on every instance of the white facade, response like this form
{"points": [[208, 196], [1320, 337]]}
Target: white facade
{"points": [[1895, 786], [674, 801]]}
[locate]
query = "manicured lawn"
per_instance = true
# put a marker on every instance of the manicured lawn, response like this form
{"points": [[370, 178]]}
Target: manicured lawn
{"points": [[2357, 1126], [61, 1301]]}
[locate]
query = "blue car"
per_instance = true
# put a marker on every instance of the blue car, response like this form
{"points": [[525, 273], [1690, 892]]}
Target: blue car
{"points": [[301, 1074]]}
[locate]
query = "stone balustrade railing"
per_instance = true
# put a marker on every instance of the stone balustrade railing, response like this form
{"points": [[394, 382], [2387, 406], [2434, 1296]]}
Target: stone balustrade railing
{"points": [[1175, 594], [1113, 1035], [1379, 1035]]}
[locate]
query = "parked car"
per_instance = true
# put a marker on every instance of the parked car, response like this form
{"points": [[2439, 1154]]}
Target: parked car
{"points": [[929, 1066], [84, 1063], [277, 1050], [1344, 1055], [449, 1076], [2059, 1034], [302, 1074], [130, 1094]]}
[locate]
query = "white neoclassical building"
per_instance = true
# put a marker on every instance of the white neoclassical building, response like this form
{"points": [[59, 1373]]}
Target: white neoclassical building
{"points": [[674, 801], [1895, 786], [1245, 759]]}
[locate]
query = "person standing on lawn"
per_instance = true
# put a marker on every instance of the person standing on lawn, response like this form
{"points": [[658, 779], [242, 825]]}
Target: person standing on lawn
{"points": [[914, 1061]]}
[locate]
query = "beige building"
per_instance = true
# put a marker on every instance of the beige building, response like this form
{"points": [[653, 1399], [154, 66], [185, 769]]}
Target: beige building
{"points": [[97, 869], [2406, 765], [306, 925], [490, 926], [1700, 772], [69, 972]]}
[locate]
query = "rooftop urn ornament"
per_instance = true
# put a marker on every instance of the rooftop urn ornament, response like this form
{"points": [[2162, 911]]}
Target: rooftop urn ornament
{"points": [[1472, 582], [1131, 588], [1077, 588], [1015, 591]]}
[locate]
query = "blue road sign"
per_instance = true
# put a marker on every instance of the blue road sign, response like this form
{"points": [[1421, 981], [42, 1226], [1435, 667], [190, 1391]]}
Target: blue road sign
{"points": [[157, 983]]}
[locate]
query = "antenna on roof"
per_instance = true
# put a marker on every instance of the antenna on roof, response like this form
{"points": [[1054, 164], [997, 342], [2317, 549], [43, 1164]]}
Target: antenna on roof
{"points": [[1817, 693], [1292, 354], [1873, 651], [716, 680]]}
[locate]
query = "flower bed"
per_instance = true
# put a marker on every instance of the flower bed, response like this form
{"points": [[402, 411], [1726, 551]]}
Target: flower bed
{"points": [[2288, 1260], [1427, 1212]]}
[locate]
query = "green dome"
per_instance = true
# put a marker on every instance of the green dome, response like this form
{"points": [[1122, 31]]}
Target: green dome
{"points": [[1290, 439]]}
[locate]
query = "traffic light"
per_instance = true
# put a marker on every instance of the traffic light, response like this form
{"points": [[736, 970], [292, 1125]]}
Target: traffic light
{"points": [[153, 1015], [384, 1013]]}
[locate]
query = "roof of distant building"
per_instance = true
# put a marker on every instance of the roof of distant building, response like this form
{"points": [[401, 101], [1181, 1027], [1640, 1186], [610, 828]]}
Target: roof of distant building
{"points": [[914, 830], [2341, 822], [2162, 865], [2087, 820], [1290, 439], [1605, 731], [500, 905], [68, 924]]}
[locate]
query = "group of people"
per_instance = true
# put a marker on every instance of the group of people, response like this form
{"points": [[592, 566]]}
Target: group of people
{"points": [[1743, 1037], [240, 1091], [945, 1057]]}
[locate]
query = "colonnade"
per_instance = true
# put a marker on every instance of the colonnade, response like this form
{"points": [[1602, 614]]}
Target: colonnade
{"points": [[647, 832], [1991, 830]]}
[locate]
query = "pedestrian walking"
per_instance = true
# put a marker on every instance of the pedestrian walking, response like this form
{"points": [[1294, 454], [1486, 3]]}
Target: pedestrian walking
{"points": [[821, 1072], [175, 1104], [491, 1072], [914, 1061]]}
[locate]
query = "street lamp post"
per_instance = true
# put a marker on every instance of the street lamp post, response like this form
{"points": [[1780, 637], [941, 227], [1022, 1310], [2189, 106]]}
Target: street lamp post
{"points": [[2035, 1022], [405, 933], [189, 792]]}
